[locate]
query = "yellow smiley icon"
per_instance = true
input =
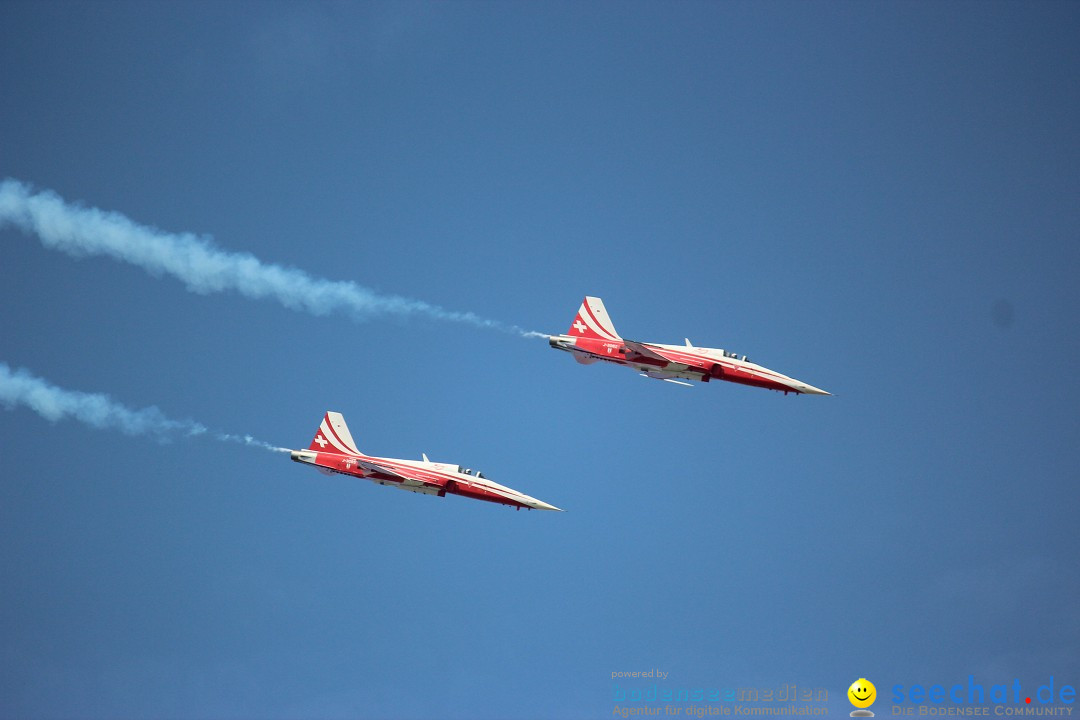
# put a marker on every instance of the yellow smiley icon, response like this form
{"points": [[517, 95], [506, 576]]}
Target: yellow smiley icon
{"points": [[862, 693]]}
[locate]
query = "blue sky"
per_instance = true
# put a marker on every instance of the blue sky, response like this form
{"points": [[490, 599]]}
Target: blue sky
{"points": [[879, 199]]}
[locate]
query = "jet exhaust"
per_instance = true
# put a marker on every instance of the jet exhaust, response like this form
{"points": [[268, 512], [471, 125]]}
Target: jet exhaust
{"points": [[21, 388], [200, 265]]}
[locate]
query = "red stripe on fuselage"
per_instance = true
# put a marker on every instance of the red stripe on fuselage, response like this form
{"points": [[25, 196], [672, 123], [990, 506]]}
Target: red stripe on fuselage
{"points": [[453, 483], [697, 361], [456, 487]]}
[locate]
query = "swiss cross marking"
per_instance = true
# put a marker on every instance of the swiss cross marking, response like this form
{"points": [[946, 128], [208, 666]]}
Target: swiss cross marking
{"points": [[319, 439], [579, 326]]}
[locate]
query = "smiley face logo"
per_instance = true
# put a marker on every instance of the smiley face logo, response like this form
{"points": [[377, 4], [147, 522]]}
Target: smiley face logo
{"points": [[862, 693]]}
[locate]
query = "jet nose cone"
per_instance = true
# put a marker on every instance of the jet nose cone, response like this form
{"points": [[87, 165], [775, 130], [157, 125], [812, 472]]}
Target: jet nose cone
{"points": [[541, 505], [811, 390]]}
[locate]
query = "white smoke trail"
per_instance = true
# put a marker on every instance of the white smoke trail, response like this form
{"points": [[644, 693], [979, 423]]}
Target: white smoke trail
{"points": [[20, 387], [199, 264], [250, 442]]}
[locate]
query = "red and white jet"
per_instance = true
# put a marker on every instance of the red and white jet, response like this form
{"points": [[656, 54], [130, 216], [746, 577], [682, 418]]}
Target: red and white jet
{"points": [[333, 451], [592, 338]]}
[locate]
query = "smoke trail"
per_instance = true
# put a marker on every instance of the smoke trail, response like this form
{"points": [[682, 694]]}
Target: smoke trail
{"points": [[199, 264], [250, 442], [20, 387]]}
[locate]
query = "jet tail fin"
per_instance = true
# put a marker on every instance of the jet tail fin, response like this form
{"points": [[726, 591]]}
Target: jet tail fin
{"points": [[592, 321], [333, 436]]}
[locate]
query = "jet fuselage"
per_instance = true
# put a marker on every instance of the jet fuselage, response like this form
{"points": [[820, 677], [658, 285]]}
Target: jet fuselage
{"points": [[334, 451], [592, 338], [681, 362]]}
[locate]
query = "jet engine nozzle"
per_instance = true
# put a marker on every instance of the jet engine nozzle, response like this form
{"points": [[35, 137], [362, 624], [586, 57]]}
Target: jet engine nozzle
{"points": [[560, 342], [302, 456]]}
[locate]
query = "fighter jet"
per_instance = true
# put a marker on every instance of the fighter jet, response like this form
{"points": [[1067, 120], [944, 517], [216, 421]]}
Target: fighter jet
{"points": [[333, 451], [592, 338]]}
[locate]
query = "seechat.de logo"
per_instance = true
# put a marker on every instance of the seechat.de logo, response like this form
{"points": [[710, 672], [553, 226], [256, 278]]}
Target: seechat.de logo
{"points": [[862, 695]]}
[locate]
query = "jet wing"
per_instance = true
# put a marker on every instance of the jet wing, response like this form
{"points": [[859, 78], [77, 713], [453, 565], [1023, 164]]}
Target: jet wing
{"points": [[382, 471], [407, 483], [644, 351]]}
